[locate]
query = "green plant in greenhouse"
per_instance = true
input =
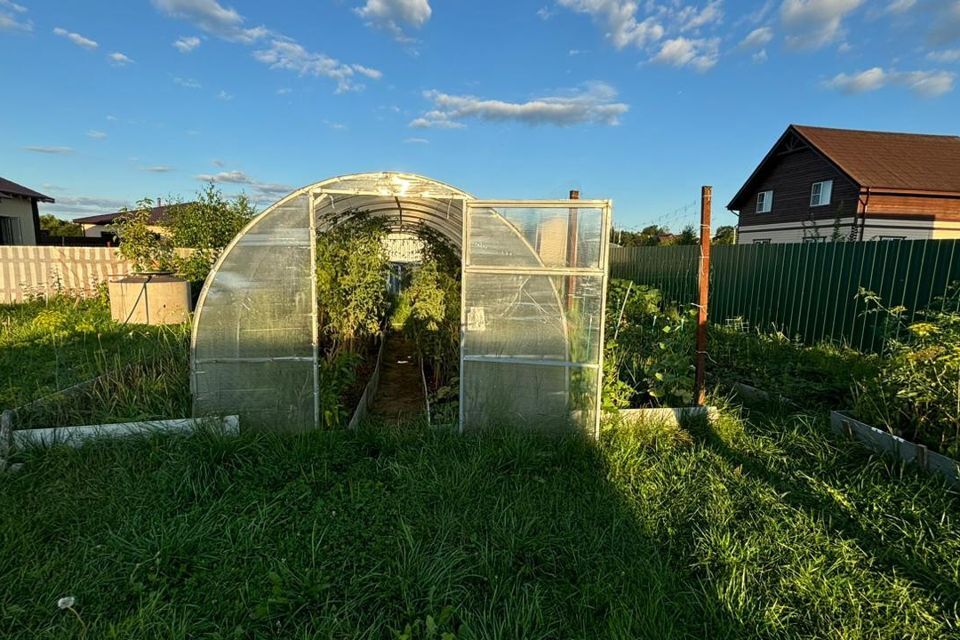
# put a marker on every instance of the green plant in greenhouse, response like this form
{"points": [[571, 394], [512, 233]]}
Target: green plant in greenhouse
{"points": [[352, 269]]}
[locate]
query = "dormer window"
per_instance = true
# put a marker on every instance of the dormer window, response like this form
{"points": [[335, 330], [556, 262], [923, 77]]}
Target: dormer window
{"points": [[820, 193], [764, 201]]}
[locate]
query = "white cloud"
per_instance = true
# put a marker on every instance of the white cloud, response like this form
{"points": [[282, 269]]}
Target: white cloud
{"points": [[188, 83], [759, 37], [701, 54], [223, 95], [760, 57], [416, 141], [947, 55], [277, 50], [946, 22], [96, 135], [118, 59], [218, 163], [11, 17], [76, 38], [49, 150], [811, 24], [159, 168], [284, 53], [262, 191], [691, 19], [186, 44], [284, 91], [390, 14], [619, 18], [900, 6], [929, 84], [545, 13], [593, 103], [80, 206], [212, 17]]}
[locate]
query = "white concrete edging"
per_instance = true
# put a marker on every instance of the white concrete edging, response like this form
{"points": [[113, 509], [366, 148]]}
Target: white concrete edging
{"points": [[669, 415], [76, 436], [884, 442]]}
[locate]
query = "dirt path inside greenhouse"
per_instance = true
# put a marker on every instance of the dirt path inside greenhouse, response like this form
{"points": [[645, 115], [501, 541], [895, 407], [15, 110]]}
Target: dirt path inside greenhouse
{"points": [[400, 393]]}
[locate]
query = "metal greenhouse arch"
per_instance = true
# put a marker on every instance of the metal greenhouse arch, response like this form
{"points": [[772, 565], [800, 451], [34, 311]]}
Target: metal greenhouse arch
{"points": [[534, 282]]}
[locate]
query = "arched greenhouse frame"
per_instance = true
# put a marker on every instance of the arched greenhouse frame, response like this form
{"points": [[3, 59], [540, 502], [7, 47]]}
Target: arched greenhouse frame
{"points": [[534, 276]]}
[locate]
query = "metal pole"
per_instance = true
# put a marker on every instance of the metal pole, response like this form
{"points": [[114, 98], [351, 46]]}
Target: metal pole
{"points": [[706, 199], [573, 225]]}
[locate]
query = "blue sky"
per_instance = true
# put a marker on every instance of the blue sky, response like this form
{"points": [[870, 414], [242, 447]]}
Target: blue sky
{"points": [[641, 102]]}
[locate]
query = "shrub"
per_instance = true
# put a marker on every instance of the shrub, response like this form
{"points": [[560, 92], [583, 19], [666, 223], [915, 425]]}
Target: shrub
{"points": [[649, 351], [916, 393]]}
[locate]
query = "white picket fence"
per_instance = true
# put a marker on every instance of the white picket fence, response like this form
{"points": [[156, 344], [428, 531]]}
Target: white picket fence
{"points": [[47, 270]]}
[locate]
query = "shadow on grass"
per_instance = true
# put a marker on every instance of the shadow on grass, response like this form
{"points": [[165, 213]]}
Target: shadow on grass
{"points": [[337, 534], [821, 475]]}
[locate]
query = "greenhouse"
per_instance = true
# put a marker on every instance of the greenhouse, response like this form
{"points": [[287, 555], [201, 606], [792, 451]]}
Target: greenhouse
{"points": [[532, 314]]}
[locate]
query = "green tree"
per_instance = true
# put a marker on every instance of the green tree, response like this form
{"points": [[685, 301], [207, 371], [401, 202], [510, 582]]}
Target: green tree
{"points": [[687, 236], [206, 225], [146, 249], [725, 235], [60, 228]]}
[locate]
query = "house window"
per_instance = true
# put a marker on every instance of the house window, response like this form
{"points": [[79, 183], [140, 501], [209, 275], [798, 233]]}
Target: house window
{"points": [[892, 238], [761, 241], [10, 231], [820, 193], [764, 201], [811, 239]]}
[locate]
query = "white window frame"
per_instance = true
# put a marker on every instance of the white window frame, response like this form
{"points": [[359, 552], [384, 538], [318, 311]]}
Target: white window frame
{"points": [[761, 241], [890, 238], [766, 198], [825, 187], [812, 239]]}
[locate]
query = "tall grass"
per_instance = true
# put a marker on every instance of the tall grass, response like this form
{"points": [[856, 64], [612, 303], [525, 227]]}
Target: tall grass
{"points": [[47, 346], [755, 526]]}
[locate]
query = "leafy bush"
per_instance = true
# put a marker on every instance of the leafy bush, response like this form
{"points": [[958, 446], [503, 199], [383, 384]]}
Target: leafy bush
{"points": [[916, 392], [145, 248], [649, 351], [813, 376]]}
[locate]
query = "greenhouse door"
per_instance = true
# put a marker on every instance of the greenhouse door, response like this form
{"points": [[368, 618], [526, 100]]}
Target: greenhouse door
{"points": [[532, 313]]}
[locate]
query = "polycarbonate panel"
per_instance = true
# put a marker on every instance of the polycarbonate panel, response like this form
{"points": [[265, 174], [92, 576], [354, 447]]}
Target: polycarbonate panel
{"points": [[533, 289], [528, 396], [254, 335], [565, 237], [533, 316]]}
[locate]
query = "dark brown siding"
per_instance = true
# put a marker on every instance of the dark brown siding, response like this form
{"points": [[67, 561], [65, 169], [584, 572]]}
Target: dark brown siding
{"points": [[790, 177]]}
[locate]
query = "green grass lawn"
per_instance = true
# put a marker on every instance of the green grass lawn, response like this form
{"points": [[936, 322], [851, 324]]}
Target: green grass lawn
{"points": [[762, 526]]}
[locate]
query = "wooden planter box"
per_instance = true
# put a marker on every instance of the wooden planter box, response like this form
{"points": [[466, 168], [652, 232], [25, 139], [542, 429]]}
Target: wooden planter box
{"points": [[884, 442]]}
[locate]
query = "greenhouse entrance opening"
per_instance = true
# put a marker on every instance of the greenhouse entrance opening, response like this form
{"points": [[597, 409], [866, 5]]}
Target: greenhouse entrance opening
{"points": [[533, 283]]}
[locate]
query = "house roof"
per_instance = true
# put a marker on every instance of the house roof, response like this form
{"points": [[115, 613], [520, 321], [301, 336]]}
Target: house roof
{"points": [[12, 188], [909, 162], [158, 215], [880, 159]]}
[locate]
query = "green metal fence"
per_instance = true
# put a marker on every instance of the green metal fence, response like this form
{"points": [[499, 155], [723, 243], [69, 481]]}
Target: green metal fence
{"points": [[808, 291]]}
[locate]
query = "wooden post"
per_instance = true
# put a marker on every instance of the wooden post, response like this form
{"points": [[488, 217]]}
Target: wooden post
{"points": [[700, 386]]}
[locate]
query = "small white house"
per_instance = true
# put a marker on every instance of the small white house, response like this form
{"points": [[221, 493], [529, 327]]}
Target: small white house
{"points": [[19, 215]]}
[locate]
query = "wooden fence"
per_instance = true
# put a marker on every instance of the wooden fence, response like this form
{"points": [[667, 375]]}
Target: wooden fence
{"points": [[809, 291], [46, 270]]}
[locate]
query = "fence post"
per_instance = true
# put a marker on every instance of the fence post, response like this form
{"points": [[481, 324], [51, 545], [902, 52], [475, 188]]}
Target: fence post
{"points": [[700, 386]]}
